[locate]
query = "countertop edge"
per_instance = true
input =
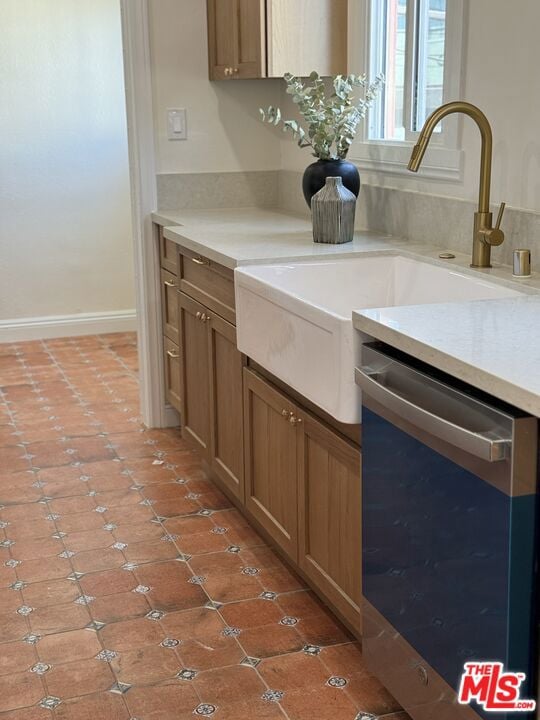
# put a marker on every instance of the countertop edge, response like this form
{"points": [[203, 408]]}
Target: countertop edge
{"points": [[473, 375], [163, 218], [172, 232]]}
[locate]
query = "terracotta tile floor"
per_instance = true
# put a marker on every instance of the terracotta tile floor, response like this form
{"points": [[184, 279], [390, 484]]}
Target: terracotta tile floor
{"points": [[130, 589]]}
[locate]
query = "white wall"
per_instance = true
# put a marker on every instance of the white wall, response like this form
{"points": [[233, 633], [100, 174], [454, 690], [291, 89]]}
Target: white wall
{"points": [[502, 57], [224, 130], [65, 235]]}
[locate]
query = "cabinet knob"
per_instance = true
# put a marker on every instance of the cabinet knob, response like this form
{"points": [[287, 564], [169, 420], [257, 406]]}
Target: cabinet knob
{"points": [[228, 71], [236, 71], [295, 420], [286, 414], [198, 315]]}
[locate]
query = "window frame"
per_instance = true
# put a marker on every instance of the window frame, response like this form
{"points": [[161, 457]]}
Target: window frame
{"points": [[444, 158]]}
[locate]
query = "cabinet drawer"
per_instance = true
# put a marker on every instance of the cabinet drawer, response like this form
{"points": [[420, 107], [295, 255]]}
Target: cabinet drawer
{"points": [[171, 364], [169, 305], [168, 254], [209, 283]]}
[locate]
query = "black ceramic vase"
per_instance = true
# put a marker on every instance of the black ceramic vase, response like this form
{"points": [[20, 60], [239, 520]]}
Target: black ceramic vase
{"points": [[315, 176]]}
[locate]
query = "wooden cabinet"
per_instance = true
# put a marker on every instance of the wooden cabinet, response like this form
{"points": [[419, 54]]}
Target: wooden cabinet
{"points": [[168, 259], [171, 366], [294, 474], [209, 283], [211, 381], [236, 43], [195, 374], [168, 253], [330, 518], [271, 444], [303, 486], [267, 38], [226, 408], [306, 35], [169, 305]]}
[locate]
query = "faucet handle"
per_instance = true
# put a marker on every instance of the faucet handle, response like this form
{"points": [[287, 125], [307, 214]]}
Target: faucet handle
{"points": [[494, 236], [500, 216]]}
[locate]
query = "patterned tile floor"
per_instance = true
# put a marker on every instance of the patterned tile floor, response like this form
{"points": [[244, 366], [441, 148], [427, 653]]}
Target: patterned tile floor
{"points": [[130, 589]]}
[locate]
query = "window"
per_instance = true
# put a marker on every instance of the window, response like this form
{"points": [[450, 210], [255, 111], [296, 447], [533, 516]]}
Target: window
{"points": [[417, 45]]}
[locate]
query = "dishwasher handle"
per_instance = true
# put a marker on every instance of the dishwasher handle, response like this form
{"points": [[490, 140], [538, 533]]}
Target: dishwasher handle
{"points": [[477, 444]]}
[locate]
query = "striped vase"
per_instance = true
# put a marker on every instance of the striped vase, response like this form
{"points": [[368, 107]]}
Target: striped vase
{"points": [[332, 211]]}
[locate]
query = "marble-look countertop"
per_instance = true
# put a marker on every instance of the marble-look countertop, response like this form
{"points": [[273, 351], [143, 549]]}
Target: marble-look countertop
{"points": [[248, 236], [492, 344]]}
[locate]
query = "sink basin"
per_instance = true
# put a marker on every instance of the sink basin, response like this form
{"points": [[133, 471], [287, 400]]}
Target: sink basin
{"points": [[295, 319]]}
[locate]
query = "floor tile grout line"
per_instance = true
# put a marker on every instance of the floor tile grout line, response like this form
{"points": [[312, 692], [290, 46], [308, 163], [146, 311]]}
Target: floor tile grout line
{"points": [[191, 570], [109, 383], [29, 629], [98, 636], [26, 619]]}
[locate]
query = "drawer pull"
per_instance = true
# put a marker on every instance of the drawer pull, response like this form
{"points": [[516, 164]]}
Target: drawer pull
{"points": [[422, 675], [173, 355], [203, 317], [169, 283], [200, 261]]}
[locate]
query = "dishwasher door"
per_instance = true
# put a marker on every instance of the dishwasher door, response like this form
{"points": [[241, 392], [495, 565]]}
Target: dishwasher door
{"points": [[449, 532]]}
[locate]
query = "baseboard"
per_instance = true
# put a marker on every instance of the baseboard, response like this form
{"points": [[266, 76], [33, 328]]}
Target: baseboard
{"points": [[55, 326], [172, 417]]}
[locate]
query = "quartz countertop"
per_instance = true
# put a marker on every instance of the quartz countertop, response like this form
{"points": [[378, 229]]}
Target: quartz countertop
{"points": [[492, 344], [246, 236]]}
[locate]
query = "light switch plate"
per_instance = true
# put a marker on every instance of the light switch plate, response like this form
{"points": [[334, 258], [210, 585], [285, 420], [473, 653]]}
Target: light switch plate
{"points": [[177, 124]]}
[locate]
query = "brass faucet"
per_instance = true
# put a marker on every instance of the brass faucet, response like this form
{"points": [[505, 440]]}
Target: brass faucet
{"points": [[485, 235]]}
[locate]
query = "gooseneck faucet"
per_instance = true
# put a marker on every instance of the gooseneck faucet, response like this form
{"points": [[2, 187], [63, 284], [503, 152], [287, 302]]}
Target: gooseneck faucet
{"points": [[485, 235]]}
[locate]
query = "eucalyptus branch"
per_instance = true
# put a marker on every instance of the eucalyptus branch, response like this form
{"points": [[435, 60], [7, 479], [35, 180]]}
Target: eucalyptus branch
{"points": [[331, 120]]}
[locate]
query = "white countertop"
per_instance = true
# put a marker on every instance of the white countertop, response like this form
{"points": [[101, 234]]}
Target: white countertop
{"points": [[246, 236], [492, 344]]}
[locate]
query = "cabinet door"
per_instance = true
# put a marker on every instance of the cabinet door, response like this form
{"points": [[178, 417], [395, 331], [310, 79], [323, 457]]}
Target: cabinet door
{"points": [[226, 406], [169, 305], [250, 39], [171, 363], [222, 22], [306, 35], [271, 461], [195, 373], [330, 519], [236, 38]]}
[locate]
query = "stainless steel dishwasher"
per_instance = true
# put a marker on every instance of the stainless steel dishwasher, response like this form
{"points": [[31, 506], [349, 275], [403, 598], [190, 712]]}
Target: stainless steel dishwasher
{"points": [[449, 533]]}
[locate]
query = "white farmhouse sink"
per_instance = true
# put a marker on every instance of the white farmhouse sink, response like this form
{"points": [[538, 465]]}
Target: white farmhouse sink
{"points": [[295, 319]]}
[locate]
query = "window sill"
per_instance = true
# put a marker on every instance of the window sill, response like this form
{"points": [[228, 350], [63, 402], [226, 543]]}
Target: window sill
{"points": [[392, 158]]}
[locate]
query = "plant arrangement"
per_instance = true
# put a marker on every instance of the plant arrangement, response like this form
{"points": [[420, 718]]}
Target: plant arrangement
{"points": [[332, 118]]}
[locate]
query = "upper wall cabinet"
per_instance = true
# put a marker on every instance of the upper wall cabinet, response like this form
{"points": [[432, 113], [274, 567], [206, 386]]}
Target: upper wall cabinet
{"points": [[267, 38]]}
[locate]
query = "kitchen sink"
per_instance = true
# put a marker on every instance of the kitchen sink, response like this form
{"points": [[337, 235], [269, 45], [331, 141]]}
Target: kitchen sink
{"points": [[295, 319]]}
